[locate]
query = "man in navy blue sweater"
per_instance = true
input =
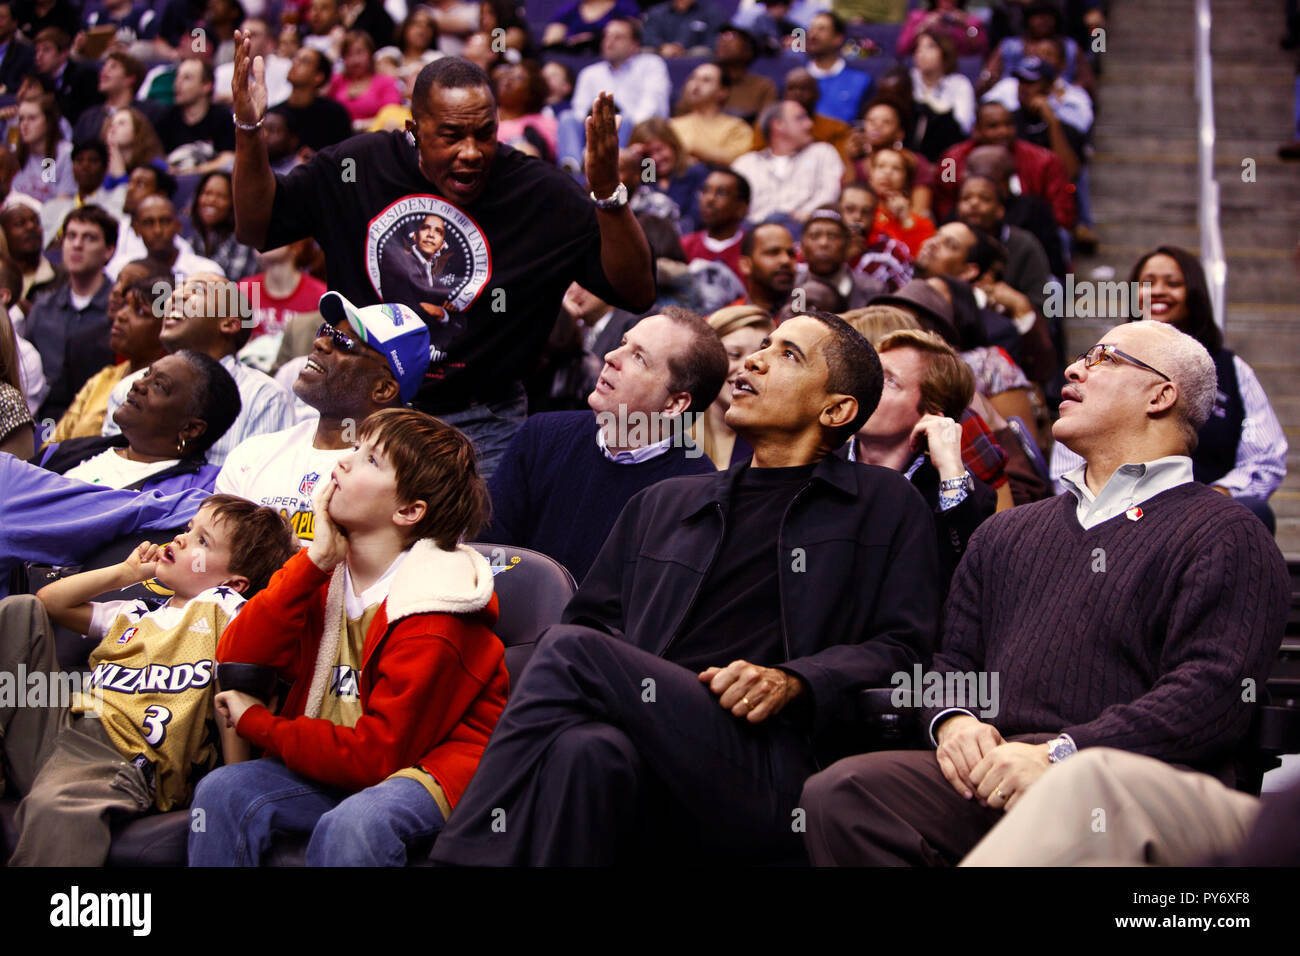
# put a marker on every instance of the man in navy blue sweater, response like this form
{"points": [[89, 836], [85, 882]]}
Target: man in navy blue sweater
{"points": [[566, 475]]}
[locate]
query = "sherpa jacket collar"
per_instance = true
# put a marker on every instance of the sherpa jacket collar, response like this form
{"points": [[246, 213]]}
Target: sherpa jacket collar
{"points": [[429, 580]]}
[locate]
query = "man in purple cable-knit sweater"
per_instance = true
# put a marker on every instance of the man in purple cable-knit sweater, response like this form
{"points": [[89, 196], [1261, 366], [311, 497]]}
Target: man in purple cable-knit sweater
{"points": [[1139, 611]]}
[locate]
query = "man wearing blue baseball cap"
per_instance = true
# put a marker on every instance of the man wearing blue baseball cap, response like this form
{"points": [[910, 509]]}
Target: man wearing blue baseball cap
{"points": [[363, 360]]}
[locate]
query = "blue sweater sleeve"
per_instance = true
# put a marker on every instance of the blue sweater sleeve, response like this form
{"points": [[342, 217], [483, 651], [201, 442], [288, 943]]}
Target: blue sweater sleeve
{"points": [[50, 519], [509, 489]]}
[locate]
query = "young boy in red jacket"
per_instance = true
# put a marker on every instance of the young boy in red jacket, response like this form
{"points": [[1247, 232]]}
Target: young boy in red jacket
{"points": [[383, 627]]}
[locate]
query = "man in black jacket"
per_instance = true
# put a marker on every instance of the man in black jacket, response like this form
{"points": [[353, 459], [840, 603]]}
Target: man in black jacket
{"points": [[713, 656], [75, 86], [16, 54]]}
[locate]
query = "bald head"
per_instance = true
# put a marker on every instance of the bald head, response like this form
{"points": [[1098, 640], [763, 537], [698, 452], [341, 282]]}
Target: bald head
{"points": [[801, 87], [154, 220], [1146, 397], [206, 312]]}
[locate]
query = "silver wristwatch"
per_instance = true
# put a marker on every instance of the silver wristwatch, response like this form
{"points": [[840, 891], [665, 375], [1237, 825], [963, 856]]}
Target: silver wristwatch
{"points": [[616, 200], [1060, 748], [953, 485]]}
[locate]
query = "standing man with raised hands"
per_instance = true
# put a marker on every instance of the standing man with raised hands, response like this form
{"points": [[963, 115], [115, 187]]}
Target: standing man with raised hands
{"points": [[517, 232]]}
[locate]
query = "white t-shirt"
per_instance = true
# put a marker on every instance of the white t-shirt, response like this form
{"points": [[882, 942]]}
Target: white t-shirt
{"points": [[281, 470], [111, 470]]}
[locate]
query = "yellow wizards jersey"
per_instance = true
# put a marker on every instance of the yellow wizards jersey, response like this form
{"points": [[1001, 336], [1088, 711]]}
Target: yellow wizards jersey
{"points": [[152, 682]]}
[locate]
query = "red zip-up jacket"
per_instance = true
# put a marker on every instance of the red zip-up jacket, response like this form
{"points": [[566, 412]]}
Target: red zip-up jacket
{"points": [[1040, 171], [433, 678]]}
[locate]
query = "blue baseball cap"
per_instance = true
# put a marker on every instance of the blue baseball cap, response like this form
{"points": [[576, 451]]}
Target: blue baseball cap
{"points": [[392, 330], [1032, 69]]}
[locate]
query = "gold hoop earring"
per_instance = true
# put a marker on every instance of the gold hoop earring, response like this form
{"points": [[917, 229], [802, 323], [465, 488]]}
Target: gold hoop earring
{"points": [[180, 446]]}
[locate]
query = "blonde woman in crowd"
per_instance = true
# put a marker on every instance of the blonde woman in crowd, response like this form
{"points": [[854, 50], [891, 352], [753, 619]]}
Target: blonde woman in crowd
{"points": [[742, 329]]}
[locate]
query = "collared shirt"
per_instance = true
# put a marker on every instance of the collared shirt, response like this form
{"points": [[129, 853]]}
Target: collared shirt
{"points": [[794, 185], [854, 289], [835, 69], [1260, 466], [55, 320], [640, 87], [1069, 102], [1131, 485], [131, 246], [632, 456]]}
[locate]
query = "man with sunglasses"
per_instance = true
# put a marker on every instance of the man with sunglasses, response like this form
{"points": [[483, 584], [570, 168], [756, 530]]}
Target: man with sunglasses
{"points": [[524, 231], [363, 360], [1137, 612]]}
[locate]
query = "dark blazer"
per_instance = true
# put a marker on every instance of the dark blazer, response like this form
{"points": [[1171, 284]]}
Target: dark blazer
{"points": [[953, 527], [77, 89], [859, 581], [612, 334], [19, 60]]}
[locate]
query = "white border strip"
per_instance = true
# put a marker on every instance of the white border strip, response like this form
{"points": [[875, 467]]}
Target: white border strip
{"points": [[1207, 213]]}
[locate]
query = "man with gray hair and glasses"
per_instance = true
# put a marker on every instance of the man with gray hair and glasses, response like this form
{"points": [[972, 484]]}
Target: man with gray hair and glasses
{"points": [[1139, 611]]}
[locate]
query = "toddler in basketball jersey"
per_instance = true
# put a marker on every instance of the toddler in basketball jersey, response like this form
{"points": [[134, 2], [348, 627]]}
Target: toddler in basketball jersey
{"points": [[140, 732]]}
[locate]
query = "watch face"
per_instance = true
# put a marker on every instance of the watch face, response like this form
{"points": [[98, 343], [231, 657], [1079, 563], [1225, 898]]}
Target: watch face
{"points": [[1059, 750]]}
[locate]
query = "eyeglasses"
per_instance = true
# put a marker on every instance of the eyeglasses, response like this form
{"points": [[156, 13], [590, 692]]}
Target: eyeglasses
{"points": [[1107, 353], [347, 343]]}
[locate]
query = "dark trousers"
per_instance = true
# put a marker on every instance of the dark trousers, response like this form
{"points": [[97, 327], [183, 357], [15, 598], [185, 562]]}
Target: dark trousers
{"points": [[605, 751], [893, 808]]}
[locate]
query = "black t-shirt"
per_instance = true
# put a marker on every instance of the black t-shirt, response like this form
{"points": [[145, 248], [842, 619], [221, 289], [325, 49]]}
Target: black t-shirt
{"points": [[217, 127], [322, 123], [737, 615], [491, 291]]}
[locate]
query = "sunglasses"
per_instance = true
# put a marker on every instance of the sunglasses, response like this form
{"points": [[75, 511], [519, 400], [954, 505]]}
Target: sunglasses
{"points": [[347, 344], [1108, 353]]}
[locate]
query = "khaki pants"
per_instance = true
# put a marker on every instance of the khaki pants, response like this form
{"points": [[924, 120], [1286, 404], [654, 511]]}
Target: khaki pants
{"points": [[1112, 807], [72, 777]]}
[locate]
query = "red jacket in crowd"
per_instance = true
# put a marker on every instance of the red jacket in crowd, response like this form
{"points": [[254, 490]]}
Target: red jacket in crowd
{"points": [[433, 678], [1041, 174]]}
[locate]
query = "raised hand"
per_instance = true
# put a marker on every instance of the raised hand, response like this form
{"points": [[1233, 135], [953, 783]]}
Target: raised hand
{"points": [[601, 158], [940, 437], [248, 85], [142, 563]]}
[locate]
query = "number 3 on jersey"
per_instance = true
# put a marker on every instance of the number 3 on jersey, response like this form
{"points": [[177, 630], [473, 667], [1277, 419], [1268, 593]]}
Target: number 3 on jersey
{"points": [[155, 724]]}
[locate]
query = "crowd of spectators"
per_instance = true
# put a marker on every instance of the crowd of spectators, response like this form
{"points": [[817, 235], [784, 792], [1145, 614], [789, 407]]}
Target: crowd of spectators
{"points": [[251, 248]]}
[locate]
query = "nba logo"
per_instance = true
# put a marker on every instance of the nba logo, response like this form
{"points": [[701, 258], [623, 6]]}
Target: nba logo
{"points": [[308, 483], [127, 635]]}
